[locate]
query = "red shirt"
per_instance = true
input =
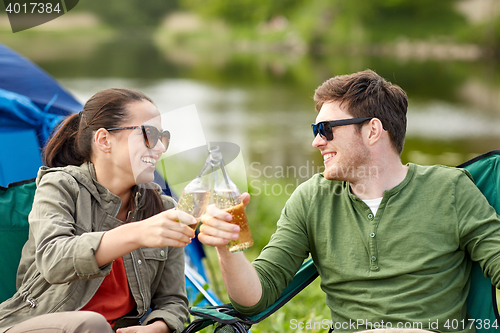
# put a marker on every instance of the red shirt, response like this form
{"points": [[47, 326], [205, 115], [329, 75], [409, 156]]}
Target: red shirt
{"points": [[113, 298]]}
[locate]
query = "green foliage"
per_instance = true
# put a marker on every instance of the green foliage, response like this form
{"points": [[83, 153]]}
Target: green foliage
{"points": [[362, 21], [336, 22], [307, 306], [200, 297], [389, 19], [241, 11], [129, 15], [486, 34], [265, 208]]}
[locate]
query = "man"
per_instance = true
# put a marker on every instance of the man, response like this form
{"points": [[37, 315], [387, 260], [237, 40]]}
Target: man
{"points": [[392, 242]]}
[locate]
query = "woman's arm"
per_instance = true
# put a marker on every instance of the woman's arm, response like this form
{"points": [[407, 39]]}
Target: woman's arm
{"points": [[65, 252], [160, 230]]}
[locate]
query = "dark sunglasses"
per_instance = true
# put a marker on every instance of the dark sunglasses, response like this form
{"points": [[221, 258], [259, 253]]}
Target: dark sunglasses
{"points": [[150, 134], [324, 128]]}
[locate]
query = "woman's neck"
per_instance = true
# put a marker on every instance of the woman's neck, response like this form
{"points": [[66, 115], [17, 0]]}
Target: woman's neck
{"points": [[117, 186]]}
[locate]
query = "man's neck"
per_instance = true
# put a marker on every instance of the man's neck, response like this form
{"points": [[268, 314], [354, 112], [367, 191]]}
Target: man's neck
{"points": [[382, 178]]}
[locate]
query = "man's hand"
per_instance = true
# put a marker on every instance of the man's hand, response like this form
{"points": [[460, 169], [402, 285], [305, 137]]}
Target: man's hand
{"points": [[216, 229]]}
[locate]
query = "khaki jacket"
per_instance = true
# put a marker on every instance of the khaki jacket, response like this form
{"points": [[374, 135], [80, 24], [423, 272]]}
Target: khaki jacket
{"points": [[58, 272]]}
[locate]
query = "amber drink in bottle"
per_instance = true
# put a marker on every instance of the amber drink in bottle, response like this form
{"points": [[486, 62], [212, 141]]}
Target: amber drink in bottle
{"points": [[228, 197], [245, 240]]}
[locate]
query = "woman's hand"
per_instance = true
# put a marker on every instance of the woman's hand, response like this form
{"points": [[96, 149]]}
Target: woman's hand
{"points": [[168, 228], [216, 229], [159, 230], [158, 326]]}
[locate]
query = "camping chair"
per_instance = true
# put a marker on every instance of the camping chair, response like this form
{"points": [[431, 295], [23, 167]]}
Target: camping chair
{"points": [[15, 205], [482, 301]]}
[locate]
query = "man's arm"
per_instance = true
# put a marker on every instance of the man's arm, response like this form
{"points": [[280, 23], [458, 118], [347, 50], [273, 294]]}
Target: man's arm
{"points": [[254, 286], [479, 227], [240, 277]]}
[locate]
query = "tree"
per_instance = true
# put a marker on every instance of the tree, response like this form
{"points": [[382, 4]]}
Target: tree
{"points": [[130, 14], [243, 12]]}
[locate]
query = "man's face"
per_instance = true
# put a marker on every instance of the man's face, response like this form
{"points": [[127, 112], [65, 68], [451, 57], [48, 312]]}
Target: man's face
{"points": [[346, 153]]}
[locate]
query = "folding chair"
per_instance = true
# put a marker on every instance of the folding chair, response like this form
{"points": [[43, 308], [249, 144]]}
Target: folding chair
{"points": [[15, 205], [482, 301], [231, 321]]}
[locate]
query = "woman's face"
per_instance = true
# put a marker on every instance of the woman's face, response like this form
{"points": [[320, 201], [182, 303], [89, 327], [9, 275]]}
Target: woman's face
{"points": [[136, 162]]}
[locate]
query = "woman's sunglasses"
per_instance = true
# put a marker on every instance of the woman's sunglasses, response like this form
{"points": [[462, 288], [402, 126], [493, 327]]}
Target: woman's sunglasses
{"points": [[324, 128], [150, 134]]}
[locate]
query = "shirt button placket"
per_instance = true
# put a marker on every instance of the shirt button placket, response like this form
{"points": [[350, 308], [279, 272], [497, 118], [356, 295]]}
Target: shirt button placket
{"points": [[373, 257]]}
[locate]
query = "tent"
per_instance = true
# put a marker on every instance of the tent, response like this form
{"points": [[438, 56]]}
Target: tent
{"points": [[32, 104]]}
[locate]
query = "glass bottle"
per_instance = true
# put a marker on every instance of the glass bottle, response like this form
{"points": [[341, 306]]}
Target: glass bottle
{"points": [[227, 197], [196, 195]]}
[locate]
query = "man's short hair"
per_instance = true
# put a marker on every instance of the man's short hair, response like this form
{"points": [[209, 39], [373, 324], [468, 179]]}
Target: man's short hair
{"points": [[366, 94]]}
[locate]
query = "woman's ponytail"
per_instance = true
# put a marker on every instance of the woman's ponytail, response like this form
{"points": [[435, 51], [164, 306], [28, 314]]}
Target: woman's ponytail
{"points": [[62, 148]]}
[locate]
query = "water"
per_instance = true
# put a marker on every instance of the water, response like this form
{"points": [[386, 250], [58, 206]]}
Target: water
{"points": [[263, 103], [273, 136]]}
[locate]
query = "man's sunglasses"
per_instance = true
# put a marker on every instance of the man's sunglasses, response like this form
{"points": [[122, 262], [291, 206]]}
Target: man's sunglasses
{"points": [[150, 134], [324, 128]]}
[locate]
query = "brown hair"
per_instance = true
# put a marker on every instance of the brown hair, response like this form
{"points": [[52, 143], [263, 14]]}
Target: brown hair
{"points": [[72, 143], [366, 94]]}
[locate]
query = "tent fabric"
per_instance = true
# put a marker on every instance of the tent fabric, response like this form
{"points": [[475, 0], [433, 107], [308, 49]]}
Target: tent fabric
{"points": [[19, 112], [20, 75], [32, 104]]}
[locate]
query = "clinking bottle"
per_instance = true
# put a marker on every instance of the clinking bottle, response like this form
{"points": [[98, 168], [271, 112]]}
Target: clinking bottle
{"points": [[196, 195], [226, 196]]}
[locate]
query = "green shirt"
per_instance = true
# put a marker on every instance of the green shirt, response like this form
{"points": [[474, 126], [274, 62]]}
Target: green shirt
{"points": [[408, 264]]}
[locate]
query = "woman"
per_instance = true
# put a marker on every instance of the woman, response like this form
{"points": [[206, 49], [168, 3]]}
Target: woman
{"points": [[102, 238]]}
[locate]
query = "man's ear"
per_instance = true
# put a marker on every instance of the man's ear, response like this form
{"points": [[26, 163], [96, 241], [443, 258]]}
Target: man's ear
{"points": [[102, 140], [375, 129]]}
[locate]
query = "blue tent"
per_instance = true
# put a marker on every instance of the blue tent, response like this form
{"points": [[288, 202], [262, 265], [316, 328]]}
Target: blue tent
{"points": [[32, 104]]}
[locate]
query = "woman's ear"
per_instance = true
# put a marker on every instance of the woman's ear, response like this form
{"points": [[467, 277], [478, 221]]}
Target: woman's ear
{"points": [[102, 140]]}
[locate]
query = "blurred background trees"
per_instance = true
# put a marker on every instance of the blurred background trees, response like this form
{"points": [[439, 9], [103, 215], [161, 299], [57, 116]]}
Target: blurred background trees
{"points": [[129, 14], [316, 24]]}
